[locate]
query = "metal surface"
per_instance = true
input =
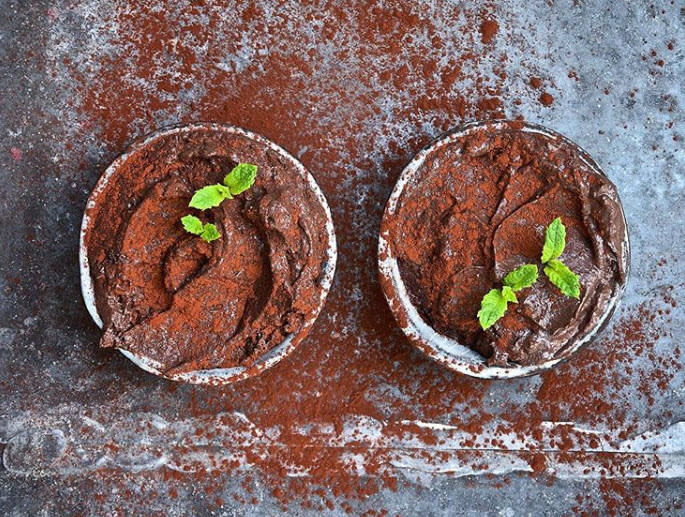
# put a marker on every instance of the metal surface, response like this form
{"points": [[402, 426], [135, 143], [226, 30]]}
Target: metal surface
{"points": [[83, 431]]}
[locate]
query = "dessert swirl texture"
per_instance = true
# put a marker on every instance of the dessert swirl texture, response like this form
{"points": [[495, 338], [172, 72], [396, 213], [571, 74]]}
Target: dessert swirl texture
{"points": [[188, 304], [477, 208]]}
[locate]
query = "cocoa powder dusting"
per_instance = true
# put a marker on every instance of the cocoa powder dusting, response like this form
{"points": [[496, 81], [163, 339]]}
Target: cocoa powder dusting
{"points": [[186, 304], [356, 363], [488, 29], [546, 99], [486, 198]]}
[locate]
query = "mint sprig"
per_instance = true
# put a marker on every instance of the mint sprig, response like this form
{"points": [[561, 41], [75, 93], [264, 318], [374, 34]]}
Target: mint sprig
{"points": [[492, 307], [521, 277], [557, 272], [555, 241], [193, 225], [209, 232], [562, 277], [241, 178], [209, 196], [494, 303]]}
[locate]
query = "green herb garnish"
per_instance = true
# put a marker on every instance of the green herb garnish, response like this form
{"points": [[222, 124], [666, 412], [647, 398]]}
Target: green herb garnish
{"points": [[237, 181], [209, 196], [193, 225], [521, 277], [209, 232], [492, 307], [241, 178], [557, 272], [555, 241], [494, 303], [565, 279]]}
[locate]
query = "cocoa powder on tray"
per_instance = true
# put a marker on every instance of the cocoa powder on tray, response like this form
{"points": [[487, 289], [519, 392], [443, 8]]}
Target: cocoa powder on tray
{"points": [[356, 361], [477, 208]]}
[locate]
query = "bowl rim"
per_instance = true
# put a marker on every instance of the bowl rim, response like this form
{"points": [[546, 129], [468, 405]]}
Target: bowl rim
{"points": [[214, 376], [444, 349]]}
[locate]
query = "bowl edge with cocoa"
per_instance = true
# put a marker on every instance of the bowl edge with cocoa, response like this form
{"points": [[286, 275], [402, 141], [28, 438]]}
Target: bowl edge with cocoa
{"points": [[444, 348], [269, 357]]}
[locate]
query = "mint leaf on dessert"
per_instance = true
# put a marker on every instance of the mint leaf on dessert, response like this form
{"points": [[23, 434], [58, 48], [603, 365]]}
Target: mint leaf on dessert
{"points": [[509, 295], [492, 307], [192, 224], [521, 277], [557, 272], [210, 233], [494, 303], [555, 241], [209, 196], [238, 180], [562, 277], [241, 178]]}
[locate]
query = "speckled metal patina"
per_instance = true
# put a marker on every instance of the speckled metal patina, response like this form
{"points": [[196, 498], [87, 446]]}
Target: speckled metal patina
{"points": [[356, 419]]}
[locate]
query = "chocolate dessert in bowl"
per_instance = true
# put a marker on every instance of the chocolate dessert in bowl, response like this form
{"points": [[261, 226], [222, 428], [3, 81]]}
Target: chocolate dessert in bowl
{"points": [[503, 249], [206, 253]]}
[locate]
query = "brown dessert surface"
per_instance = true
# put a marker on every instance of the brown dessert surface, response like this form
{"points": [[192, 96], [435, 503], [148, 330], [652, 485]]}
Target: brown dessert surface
{"points": [[187, 304], [476, 209]]}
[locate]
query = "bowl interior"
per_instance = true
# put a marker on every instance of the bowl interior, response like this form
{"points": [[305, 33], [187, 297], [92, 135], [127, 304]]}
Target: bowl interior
{"points": [[216, 375], [444, 349]]}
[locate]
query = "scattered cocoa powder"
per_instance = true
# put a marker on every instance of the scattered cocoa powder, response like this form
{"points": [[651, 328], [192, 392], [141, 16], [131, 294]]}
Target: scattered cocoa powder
{"points": [[546, 99], [356, 361], [488, 29]]}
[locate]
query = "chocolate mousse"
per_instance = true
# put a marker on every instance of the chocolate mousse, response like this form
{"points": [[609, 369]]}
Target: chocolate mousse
{"points": [[477, 208], [187, 304]]}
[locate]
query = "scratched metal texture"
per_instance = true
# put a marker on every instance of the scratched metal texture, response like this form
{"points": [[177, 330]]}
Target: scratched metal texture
{"points": [[61, 398]]}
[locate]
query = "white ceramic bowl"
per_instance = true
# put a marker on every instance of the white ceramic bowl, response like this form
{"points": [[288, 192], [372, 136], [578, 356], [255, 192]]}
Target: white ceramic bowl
{"points": [[444, 349], [218, 375]]}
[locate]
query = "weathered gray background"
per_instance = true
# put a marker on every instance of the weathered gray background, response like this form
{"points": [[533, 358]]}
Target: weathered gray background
{"points": [[53, 379]]}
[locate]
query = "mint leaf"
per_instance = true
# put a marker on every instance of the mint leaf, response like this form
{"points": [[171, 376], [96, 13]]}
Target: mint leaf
{"points": [[521, 277], [241, 178], [210, 233], [492, 307], [494, 303], [209, 196], [238, 180], [555, 241], [562, 277], [509, 295], [192, 224]]}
